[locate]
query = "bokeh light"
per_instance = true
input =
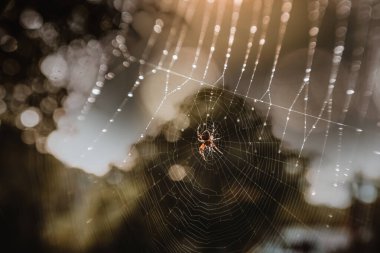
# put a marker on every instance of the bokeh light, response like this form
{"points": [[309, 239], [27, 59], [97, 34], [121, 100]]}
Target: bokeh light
{"points": [[30, 117]]}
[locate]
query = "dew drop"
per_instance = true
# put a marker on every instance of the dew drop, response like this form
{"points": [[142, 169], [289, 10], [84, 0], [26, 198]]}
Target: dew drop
{"points": [[126, 64], [110, 76], [95, 91]]}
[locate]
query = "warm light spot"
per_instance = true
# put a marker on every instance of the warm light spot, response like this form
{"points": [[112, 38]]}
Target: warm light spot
{"points": [[30, 117], [54, 67], [285, 17], [238, 2], [31, 19], [287, 7], [157, 28], [313, 31], [367, 193], [177, 172]]}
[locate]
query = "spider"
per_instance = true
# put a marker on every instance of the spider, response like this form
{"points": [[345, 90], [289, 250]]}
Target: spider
{"points": [[207, 139]]}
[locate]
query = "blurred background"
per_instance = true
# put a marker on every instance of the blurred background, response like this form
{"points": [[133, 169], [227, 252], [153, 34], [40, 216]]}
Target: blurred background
{"points": [[102, 103]]}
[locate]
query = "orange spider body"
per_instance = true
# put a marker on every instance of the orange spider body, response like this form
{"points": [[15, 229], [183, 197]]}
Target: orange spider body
{"points": [[207, 139]]}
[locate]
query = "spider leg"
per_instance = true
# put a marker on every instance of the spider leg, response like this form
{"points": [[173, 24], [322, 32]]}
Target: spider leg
{"points": [[201, 151], [199, 135], [214, 147]]}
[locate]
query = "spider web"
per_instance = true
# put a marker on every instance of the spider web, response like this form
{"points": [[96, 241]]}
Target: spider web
{"points": [[236, 199], [229, 194]]}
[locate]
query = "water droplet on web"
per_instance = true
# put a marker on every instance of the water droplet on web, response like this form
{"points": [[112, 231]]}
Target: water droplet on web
{"points": [[338, 49], [109, 76], [95, 91], [116, 52]]}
